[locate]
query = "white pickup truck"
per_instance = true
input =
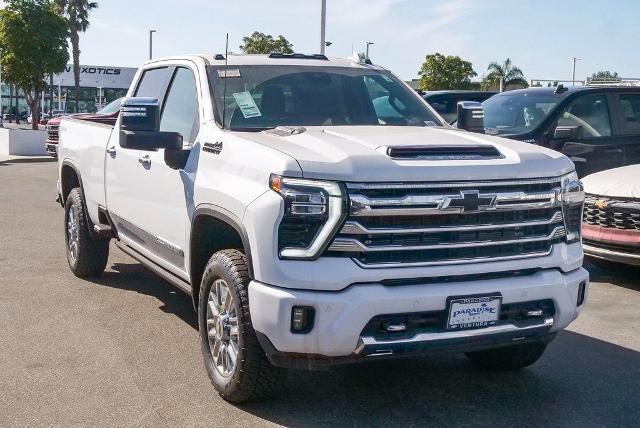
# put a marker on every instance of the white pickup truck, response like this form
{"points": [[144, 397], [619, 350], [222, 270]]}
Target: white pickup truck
{"points": [[319, 212]]}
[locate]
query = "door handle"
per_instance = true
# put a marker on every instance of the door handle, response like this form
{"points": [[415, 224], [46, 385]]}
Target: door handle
{"points": [[112, 151], [145, 160]]}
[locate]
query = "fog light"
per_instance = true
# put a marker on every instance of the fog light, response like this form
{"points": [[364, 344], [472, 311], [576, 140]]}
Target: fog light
{"points": [[581, 291], [302, 319]]}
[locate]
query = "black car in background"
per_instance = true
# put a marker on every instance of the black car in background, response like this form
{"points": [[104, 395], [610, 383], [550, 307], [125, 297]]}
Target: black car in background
{"points": [[446, 102], [598, 127]]}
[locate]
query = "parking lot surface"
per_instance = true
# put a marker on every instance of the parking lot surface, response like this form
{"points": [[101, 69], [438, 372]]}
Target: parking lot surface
{"points": [[124, 350]]}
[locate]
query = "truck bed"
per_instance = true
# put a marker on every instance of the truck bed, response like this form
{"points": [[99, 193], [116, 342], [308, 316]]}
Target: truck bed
{"points": [[82, 145]]}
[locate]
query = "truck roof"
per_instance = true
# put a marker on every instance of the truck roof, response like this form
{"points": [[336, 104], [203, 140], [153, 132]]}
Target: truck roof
{"points": [[294, 59]]}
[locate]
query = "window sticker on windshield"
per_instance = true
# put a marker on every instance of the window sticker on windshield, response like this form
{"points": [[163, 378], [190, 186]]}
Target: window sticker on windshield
{"points": [[387, 78], [247, 105], [429, 123], [229, 73]]}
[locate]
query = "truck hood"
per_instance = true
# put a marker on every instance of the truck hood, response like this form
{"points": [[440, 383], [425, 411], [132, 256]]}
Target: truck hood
{"points": [[359, 153], [623, 182]]}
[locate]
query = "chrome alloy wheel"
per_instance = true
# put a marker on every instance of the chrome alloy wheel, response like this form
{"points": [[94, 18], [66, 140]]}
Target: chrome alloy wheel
{"points": [[73, 234], [222, 328]]}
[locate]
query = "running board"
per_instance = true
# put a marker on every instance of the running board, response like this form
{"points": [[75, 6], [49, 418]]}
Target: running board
{"points": [[156, 268]]}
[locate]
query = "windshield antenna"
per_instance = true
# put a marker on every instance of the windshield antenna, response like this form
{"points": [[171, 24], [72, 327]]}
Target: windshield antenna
{"points": [[224, 91]]}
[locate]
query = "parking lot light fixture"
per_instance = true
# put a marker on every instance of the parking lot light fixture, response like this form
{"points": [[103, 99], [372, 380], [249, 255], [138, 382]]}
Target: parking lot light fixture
{"points": [[366, 56], [573, 76], [151, 43]]}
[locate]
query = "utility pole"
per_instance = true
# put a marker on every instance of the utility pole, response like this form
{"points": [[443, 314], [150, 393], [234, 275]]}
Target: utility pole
{"points": [[323, 24], [366, 55], [151, 44], [573, 76]]}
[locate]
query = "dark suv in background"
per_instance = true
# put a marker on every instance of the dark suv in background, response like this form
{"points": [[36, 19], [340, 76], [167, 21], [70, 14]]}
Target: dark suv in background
{"points": [[598, 127], [446, 102]]}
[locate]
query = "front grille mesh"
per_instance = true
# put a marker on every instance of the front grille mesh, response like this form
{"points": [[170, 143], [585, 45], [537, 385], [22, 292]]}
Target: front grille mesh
{"points": [[613, 213], [448, 223]]}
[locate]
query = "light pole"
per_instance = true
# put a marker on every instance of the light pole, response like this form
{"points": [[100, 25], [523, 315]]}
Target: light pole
{"points": [[366, 55], [573, 76], [151, 44], [323, 24], [60, 94], [1, 115]]}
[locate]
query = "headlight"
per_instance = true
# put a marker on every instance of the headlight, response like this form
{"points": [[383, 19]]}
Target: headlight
{"points": [[313, 211], [572, 199]]}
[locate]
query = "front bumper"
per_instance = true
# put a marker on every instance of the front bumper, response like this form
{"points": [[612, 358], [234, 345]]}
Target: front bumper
{"points": [[611, 255], [622, 246], [341, 316]]}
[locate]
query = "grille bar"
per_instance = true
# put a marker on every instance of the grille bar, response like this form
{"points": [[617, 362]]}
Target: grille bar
{"points": [[441, 204], [355, 228], [354, 245]]}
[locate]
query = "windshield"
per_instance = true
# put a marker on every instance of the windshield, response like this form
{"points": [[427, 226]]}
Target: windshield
{"points": [[259, 97], [112, 107], [517, 113]]}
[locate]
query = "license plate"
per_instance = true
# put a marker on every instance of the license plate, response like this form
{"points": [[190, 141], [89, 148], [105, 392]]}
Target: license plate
{"points": [[473, 312]]}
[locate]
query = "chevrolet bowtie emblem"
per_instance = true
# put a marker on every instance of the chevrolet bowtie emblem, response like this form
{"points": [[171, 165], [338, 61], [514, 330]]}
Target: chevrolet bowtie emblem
{"points": [[601, 204], [470, 201]]}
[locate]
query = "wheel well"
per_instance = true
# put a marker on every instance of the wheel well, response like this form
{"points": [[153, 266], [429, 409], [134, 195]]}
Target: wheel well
{"points": [[209, 235], [68, 180]]}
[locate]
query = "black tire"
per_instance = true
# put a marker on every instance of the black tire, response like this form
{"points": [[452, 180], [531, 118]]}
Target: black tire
{"points": [[254, 377], [508, 358], [91, 255]]}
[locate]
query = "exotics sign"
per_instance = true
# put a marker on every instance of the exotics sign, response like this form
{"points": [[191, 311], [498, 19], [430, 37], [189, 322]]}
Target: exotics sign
{"points": [[94, 76]]}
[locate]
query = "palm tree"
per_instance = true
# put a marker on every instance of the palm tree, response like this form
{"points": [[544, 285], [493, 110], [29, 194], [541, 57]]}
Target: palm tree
{"points": [[504, 74], [77, 12]]}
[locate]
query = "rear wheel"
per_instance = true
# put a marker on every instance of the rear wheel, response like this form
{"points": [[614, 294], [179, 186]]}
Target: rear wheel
{"points": [[236, 364], [86, 256], [508, 358]]}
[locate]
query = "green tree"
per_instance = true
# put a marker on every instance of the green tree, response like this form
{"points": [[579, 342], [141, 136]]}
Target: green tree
{"points": [[260, 43], [33, 39], [506, 73], [445, 72], [77, 12], [605, 74]]}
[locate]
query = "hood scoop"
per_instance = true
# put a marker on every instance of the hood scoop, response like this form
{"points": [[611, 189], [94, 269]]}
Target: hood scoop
{"points": [[443, 153]]}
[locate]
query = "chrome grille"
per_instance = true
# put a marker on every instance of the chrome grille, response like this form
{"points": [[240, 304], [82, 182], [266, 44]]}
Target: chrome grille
{"points": [[418, 224], [52, 132], [614, 213]]}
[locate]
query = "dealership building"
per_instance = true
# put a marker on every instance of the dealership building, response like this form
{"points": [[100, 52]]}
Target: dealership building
{"points": [[99, 85]]}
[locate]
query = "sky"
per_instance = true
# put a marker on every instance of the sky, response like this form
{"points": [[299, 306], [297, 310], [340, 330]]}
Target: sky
{"points": [[540, 36]]}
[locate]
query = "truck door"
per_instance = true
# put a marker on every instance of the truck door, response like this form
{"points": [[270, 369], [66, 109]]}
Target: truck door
{"points": [[127, 172], [590, 143], [166, 194], [628, 113]]}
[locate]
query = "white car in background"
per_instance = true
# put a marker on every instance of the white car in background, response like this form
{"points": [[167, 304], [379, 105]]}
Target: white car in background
{"points": [[611, 229]]}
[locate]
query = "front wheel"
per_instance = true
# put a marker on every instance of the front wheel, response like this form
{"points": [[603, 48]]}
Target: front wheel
{"points": [[87, 257], [508, 358], [236, 364]]}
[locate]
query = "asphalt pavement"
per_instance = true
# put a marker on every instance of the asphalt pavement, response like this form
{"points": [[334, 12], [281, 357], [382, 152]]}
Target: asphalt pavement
{"points": [[124, 350]]}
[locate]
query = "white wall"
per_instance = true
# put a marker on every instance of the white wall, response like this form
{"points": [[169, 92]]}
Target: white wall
{"points": [[22, 142]]}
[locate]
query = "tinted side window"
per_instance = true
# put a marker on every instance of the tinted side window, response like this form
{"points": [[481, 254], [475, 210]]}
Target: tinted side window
{"points": [[630, 109], [591, 112], [152, 82], [180, 112]]}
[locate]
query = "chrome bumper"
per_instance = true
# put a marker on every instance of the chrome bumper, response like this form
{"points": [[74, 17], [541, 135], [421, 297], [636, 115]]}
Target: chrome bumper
{"points": [[611, 255]]}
